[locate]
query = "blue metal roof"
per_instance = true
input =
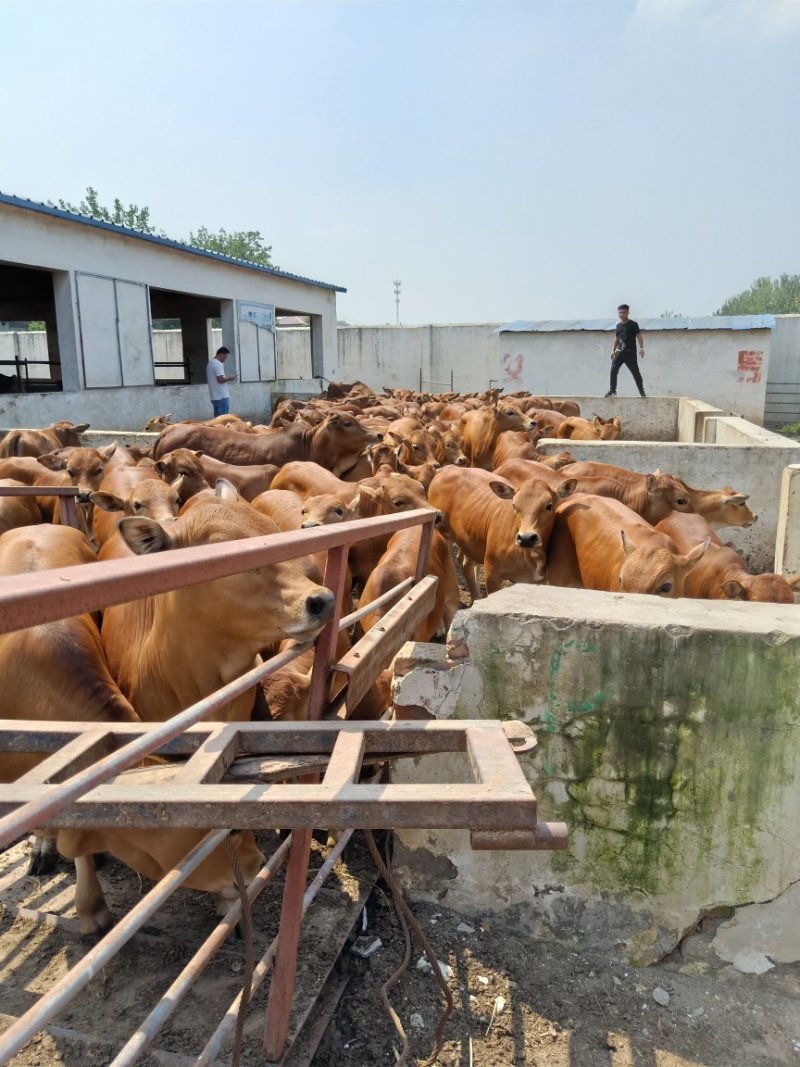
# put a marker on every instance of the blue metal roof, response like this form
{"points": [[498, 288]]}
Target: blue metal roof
{"points": [[125, 231], [707, 322]]}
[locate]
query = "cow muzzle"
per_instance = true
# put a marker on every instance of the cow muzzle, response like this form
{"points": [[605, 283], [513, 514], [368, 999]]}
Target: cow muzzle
{"points": [[528, 540], [310, 525], [461, 461], [439, 518], [320, 605], [85, 496]]}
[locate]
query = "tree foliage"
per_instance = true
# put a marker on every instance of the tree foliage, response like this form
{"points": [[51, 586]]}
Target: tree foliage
{"points": [[766, 296], [240, 244], [132, 216]]}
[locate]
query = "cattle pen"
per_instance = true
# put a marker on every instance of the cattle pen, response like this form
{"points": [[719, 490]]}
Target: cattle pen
{"points": [[81, 780]]}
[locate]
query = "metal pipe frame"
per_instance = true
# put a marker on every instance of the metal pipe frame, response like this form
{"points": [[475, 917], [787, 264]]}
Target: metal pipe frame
{"points": [[59, 995]]}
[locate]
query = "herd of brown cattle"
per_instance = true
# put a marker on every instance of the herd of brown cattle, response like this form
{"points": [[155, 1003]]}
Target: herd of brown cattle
{"points": [[519, 514]]}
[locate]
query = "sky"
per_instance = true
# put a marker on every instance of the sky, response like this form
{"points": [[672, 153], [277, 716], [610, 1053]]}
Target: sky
{"points": [[504, 160]]}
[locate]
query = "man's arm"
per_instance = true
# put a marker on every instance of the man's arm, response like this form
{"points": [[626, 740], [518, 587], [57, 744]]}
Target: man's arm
{"points": [[640, 343]]}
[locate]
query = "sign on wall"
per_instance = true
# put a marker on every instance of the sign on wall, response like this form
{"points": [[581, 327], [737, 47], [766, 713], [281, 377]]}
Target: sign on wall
{"points": [[261, 315]]}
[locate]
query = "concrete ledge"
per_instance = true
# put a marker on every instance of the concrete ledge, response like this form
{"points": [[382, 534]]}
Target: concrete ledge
{"points": [[667, 742], [692, 415]]}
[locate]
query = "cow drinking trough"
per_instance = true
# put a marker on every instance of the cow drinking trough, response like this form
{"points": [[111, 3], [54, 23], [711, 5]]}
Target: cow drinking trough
{"points": [[82, 781]]}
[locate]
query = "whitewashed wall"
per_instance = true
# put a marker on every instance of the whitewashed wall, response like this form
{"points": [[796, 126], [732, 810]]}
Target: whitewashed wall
{"points": [[724, 367], [394, 356], [783, 379]]}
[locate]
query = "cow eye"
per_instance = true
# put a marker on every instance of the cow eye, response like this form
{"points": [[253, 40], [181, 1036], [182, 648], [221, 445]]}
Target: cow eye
{"points": [[99, 470], [682, 501], [304, 511], [70, 473], [549, 507], [338, 511], [398, 503], [666, 587], [137, 506], [348, 423]]}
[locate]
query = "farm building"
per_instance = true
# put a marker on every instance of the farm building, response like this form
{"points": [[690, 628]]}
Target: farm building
{"points": [[100, 289]]}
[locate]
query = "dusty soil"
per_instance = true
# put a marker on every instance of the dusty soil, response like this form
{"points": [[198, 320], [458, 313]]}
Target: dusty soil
{"points": [[517, 1001], [521, 1002]]}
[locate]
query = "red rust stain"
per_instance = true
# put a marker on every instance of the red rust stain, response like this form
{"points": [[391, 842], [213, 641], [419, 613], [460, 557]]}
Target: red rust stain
{"points": [[749, 367], [512, 373]]}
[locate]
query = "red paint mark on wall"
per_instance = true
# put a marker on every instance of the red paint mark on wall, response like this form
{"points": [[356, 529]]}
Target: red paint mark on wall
{"points": [[512, 370], [749, 367]]}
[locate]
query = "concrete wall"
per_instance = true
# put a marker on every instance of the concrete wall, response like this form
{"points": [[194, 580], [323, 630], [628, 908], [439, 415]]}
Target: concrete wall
{"points": [[394, 356], [692, 415], [667, 742], [754, 468], [725, 367]]}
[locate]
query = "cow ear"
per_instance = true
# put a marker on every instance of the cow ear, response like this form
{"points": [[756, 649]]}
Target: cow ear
{"points": [[502, 489], [225, 490], [199, 453], [107, 501], [734, 590], [628, 546], [598, 421], [691, 559], [107, 452], [368, 490], [651, 482], [52, 461], [794, 582], [657, 472], [617, 421], [334, 419], [160, 466], [143, 536], [395, 437], [82, 427], [567, 488], [737, 498]]}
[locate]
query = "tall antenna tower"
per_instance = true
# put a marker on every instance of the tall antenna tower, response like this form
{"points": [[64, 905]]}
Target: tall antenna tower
{"points": [[397, 284]]}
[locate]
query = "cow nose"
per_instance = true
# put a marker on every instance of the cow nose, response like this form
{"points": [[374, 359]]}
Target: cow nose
{"points": [[527, 540], [308, 525], [321, 605], [461, 461], [83, 497], [439, 518]]}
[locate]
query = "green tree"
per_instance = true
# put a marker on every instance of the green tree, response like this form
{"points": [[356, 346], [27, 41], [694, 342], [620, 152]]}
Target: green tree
{"points": [[671, 315], [248, 245], [240, 244], [132, 216], [766, 296]]}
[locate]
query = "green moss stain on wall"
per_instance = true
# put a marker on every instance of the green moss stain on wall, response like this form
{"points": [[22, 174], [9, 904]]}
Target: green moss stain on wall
{"points": [[673, 747]]}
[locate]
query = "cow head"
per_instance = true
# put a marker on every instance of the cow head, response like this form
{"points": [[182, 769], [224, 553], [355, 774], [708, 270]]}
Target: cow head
{"points": [[153, 499], [323, 510], [654, 568], [533, 504], [85, 467], [765, 588]]}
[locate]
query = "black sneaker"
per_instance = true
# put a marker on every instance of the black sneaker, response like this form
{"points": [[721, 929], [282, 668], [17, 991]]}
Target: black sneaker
{"points": [[643, 394], [610, 393]]}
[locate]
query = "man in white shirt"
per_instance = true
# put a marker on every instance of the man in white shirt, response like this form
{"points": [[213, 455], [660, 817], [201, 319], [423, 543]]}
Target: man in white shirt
{"points": [[218, 382]]}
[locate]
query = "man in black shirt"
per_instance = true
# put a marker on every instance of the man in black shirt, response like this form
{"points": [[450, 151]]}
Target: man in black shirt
{"points": [[628, 335]]}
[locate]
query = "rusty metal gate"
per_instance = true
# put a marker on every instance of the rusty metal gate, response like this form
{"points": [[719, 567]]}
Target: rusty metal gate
{"points": [[294, 775]]}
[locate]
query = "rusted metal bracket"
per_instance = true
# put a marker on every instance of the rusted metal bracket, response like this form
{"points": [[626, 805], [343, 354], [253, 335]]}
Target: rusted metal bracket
{"points": [[498, 806]]}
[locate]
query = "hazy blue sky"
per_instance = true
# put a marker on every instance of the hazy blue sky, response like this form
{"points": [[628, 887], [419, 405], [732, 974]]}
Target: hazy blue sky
{"points": [[505, 160]]}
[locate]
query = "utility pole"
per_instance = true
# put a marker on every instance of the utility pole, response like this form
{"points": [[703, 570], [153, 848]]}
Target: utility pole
{"points": [[397, 284]]}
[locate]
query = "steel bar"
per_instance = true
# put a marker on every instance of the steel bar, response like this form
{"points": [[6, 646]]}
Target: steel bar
{"points": [[144, 1036], [30, 599], [392, 594], [335, 576], [425, 540], [281, 990], [39, 490], [36, 812], [59, 995], [216, 1042], [84, 749]]}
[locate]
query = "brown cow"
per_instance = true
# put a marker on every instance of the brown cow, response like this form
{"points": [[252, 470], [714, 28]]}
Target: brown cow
{"points": [[721, 574], [198, 471], [599, 543], [599, 429], [311, 479], [136, 491], [719, 507], [505, 529], [399, 562], [336, 443], [37, 442], [171, 650], [480, 430], [85, 469], [16, 511]]}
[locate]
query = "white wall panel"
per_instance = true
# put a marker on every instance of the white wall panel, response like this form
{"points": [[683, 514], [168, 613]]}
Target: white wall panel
{"points": [[136, 353], [97, 307]]}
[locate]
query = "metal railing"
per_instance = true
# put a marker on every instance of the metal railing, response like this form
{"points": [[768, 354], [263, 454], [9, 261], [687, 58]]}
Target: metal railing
{"points": [[31, 599]]}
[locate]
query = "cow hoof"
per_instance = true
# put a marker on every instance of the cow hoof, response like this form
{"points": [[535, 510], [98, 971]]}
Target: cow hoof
{"points": [[93, 928], [43, 858]]}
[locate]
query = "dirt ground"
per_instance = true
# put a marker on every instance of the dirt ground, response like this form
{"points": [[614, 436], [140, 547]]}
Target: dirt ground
{"points": [[517, 1001]]}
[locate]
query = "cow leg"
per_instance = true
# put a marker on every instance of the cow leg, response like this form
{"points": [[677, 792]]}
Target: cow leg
{"points": [[94, 918], [492, 578], [44, 855]]}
